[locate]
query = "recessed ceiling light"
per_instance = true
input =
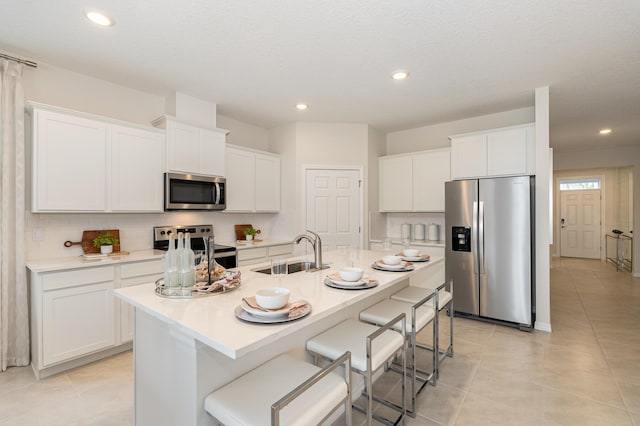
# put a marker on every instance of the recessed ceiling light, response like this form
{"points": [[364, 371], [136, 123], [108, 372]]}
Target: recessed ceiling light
{"points": [[400, 75], [605, 131], [98, 17], [302, 107]]}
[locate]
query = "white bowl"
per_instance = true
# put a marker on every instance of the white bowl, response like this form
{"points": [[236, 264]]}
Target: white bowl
{"points": [[411, 252], [351, 274], [272, 297], [391, 260]]}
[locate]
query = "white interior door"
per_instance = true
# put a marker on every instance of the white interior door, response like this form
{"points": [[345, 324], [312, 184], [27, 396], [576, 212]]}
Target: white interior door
{"points": [[580, 223], [333, 207]]}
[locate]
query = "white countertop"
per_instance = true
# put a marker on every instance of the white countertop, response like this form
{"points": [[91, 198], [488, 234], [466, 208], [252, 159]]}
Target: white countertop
{"points": [[243, 244], [212, 321], [75, 262]]}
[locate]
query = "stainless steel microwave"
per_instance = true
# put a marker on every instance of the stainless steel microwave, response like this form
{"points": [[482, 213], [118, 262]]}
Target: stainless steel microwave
{"points": [[184, 191]]}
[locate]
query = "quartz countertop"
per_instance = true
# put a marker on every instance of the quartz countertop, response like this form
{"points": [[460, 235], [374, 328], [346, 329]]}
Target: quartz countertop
{"points": [[212, 321], [75, 262], [243, 245]]}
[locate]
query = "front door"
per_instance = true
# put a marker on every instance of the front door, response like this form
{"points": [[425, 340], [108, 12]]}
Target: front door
{"points": [[333, 207], [580, 223]]}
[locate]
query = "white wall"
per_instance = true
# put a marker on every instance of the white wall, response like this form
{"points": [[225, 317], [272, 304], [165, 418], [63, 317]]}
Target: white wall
{"points": [[376, 227], [627, 156], [244, 134], [436, 136]]}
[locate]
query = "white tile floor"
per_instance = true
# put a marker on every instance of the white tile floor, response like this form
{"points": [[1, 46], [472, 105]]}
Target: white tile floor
{"points": [[587, 372]]}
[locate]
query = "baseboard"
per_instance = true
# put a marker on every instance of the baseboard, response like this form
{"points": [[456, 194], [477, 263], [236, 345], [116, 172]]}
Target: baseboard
{"points": [[543, 326]]}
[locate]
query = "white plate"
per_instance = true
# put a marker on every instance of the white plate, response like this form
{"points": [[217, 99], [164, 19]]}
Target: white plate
{"points": [[398, 267], [364, 286], [414, 259], [246, 316], [361, 281], [263, 314]]}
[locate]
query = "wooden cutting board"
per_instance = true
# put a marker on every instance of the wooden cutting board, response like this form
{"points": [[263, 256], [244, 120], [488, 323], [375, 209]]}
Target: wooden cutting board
{"points": [[89, 236], [240, 232]]}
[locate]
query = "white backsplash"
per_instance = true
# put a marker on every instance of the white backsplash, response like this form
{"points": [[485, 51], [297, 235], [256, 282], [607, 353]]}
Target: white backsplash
{"points": [[395, 221], [136, 230]]}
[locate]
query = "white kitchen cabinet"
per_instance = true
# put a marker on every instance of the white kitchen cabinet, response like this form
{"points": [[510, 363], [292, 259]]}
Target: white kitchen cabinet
{"points": [[255, 255], [193, 149], [414, 182], [253, 180], [135, 274], [509, 151], [74, 317], [136, 170], [86, 163], [430, 171], [68, 168], [77, 313]]}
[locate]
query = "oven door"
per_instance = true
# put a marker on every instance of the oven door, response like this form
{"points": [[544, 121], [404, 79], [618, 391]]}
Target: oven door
{"points": [[193, 192]]}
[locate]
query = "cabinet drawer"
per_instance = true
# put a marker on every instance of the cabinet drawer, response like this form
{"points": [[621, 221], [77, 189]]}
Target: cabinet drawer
{"points": [[141, 268], [76, 277], [283, 249], [253, 253]]}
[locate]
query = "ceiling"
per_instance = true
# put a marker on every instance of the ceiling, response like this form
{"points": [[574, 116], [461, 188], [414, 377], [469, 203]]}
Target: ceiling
{"points": [[256, 59]]}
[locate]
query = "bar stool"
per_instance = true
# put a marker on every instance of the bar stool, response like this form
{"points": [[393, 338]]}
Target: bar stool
{"points": [[371, 347], [421, 314], [414, 294], [307, 394]]}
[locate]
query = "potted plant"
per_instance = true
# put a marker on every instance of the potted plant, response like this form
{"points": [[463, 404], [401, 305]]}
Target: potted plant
{"points": [[250, 233], [105, 243]]}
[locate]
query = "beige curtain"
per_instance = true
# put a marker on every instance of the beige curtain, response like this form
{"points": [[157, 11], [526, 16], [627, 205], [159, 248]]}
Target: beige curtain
{"points": [[14, 304]]}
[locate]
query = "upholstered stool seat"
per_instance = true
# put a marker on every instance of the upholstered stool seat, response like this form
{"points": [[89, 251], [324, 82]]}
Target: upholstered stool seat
{"points": [[370, 347], [419, 315], [270, 394]]}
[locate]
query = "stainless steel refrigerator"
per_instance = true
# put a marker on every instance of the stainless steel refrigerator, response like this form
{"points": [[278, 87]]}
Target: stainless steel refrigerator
{"points": [[490, 248]]}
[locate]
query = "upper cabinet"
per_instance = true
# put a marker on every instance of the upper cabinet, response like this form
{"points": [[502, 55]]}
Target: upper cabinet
{"points": [[509, 151], [86, 163], [253, 180], [192, 149], [414, 182]]}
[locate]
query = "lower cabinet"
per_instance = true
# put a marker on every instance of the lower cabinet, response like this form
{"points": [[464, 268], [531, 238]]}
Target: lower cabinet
{"points": [[79, 319], [75, 318], [135, 274], [255, 255]]}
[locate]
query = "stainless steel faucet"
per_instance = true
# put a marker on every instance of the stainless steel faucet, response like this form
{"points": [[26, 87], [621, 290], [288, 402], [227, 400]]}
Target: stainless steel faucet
{"points": [[316, 243]]}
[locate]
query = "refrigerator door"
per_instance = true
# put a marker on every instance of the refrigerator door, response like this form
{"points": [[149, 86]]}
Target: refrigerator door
{"points": [[505, 250], [460, 243]]}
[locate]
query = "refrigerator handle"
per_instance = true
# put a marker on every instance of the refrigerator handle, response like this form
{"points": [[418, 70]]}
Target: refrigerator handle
{"points": [[474, 239], [481, 237]]}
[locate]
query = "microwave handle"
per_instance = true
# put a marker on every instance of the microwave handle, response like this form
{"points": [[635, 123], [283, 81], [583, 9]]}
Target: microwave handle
{"points": [[217, 189]]}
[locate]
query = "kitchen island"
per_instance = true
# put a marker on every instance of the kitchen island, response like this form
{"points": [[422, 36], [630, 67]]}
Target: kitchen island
{"points": [[186, 348]]}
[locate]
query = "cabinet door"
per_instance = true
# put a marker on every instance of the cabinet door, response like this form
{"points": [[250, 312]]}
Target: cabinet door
{"points": [[68, 169], [507, 152], [469, 157], [430, 171], [240, 166], [127, 314], [77, 321], [267, 180], [211, 153], [183, 153], [136, 170], [396, 179]]}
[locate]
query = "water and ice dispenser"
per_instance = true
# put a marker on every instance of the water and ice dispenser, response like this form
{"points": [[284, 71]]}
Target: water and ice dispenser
{"points": [[461, 238]]}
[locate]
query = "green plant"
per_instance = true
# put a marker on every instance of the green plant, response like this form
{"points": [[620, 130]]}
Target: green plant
{"points": [[105, 240], [251, 231]]}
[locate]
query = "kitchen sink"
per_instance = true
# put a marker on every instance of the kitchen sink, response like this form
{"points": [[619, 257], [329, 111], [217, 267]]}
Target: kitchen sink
{"points": [[293, 267]]}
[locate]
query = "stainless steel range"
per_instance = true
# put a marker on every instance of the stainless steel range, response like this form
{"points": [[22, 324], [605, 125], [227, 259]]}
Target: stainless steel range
{"points": [[225, 256]]}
